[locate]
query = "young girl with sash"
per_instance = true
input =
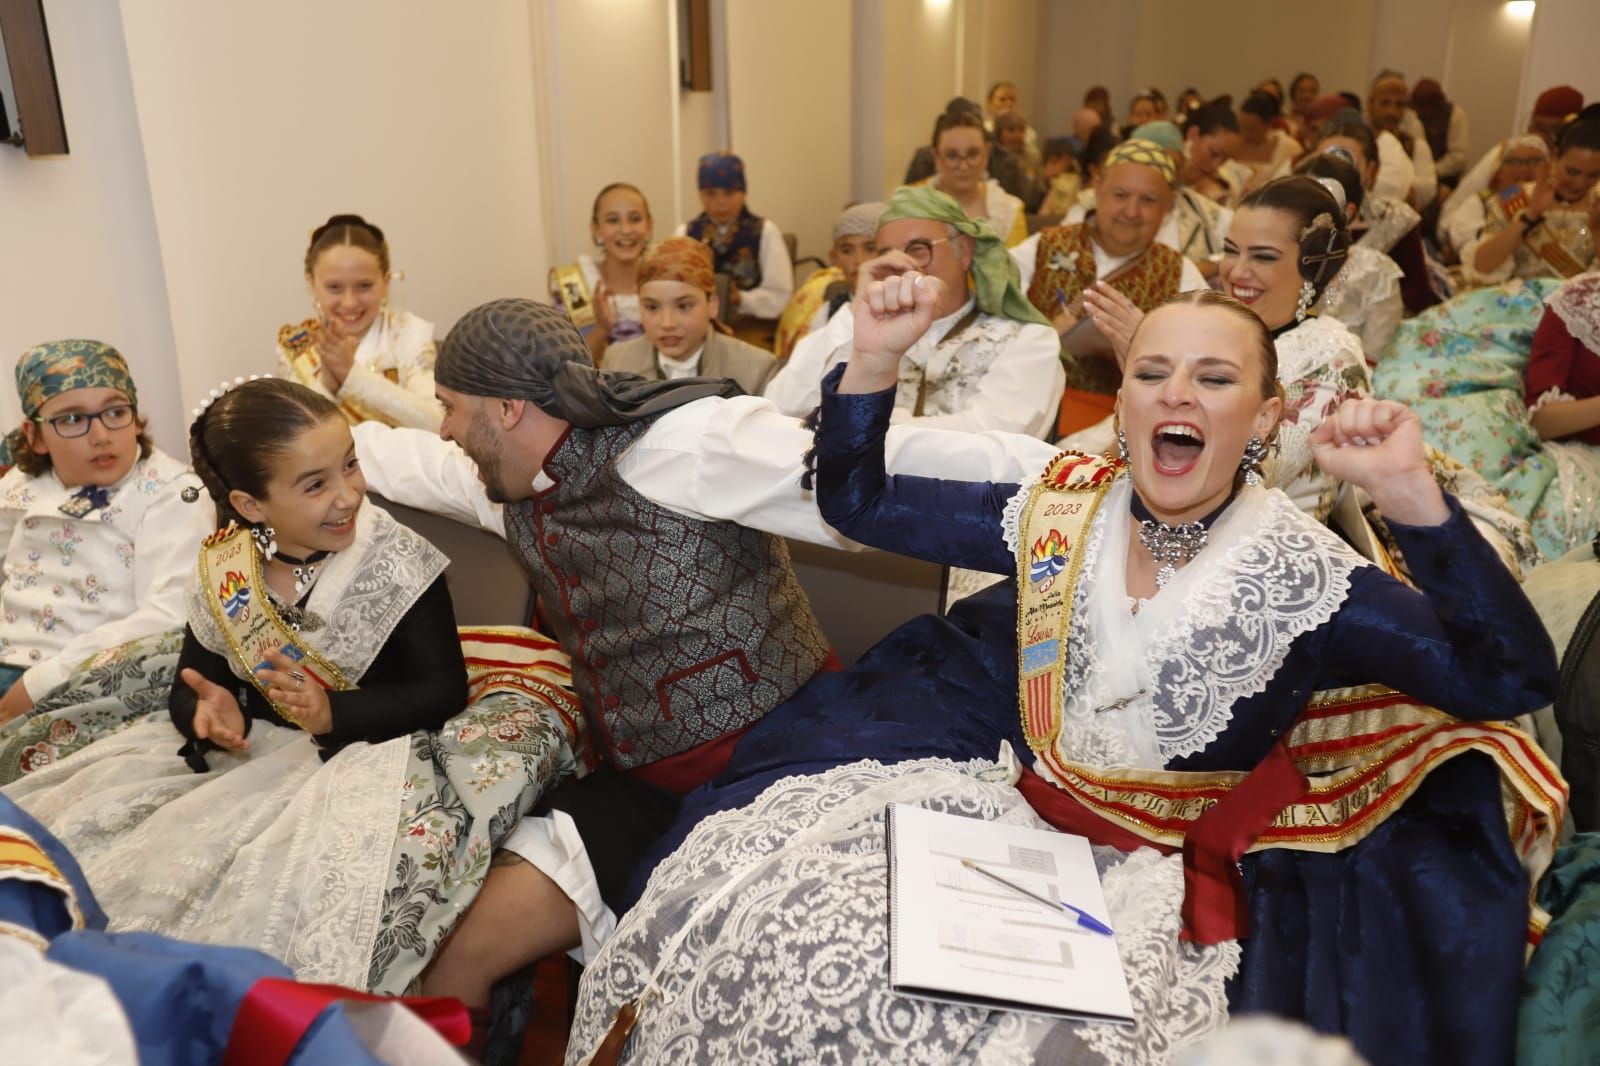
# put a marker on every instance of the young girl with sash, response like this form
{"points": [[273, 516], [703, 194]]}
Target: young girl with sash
{"points": [[1362, 863], [352, 758], [298, 558], [374, 360], [600, 293]]}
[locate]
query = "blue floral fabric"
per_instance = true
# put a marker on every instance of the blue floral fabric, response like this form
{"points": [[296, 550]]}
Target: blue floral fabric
{"points": [[1460, 367]]}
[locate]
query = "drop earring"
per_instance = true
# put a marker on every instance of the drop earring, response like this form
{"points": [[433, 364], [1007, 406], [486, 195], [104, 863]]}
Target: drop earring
{"points": [[1255, 453], [1308, 295], [1122, 444], [266, 539]]}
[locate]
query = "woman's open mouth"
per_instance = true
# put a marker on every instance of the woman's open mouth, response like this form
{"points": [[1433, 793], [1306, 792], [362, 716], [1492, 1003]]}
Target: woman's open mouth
{"points": [[1175, 448]]}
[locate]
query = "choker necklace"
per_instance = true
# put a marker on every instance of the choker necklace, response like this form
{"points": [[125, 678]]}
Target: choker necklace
{"points": [[1171, 545], [305, 570]]}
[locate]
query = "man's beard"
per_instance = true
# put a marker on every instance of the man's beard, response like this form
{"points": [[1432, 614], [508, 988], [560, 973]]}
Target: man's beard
{"points": [[484, 447]]}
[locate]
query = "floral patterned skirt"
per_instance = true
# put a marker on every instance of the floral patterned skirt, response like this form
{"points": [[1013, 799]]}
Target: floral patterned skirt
{"points": [[350, 871], [1460, 367]]}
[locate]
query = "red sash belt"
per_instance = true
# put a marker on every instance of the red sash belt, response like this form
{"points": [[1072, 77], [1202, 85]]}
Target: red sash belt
{"points": [[1214, 906]]}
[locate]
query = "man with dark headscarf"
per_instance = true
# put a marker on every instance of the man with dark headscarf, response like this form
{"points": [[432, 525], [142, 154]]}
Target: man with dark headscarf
{"points": [[622, 498]]}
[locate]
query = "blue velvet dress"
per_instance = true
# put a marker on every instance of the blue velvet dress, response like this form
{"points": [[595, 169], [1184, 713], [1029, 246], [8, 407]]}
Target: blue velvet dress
{"points": [[1411, 943]]}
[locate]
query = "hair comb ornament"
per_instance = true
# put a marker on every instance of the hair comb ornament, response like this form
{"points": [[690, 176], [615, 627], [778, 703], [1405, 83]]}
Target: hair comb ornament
{"points": [[1323, 220], [217, 393], [1335, 189]]}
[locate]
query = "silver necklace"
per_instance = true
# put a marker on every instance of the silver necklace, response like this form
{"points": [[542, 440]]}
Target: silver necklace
{"points": [[1171, 546]]}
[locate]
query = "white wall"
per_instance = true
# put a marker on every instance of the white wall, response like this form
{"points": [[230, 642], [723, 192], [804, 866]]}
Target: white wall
{"points": [[920, 75], [611, 74], [1228, 46], [789, 109], [1084, 43], [1561, 51], [1000, 43], [80, 252], [260, 121]]}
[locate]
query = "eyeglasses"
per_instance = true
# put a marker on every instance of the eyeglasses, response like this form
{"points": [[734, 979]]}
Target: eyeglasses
{"points": [[920, 249], [76, 424], [961, 159]]}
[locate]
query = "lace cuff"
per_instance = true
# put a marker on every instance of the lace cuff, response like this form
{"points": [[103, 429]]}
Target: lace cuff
{"points": [[1011, 517], [1550, 396]]}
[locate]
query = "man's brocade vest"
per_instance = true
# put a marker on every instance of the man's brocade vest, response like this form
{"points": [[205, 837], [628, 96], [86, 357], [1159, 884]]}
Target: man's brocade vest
{"points": [[1064, 267], [679, 630]]}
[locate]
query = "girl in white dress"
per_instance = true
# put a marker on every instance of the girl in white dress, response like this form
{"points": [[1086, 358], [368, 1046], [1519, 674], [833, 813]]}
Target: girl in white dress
{"points": [[374, 360]]}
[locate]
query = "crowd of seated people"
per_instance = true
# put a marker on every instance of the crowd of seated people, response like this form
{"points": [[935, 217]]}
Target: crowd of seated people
{"points": [[1322, 391]]}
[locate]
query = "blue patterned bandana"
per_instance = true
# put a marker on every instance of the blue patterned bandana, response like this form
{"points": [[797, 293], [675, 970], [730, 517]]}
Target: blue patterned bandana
{"points": [[721, 170], [61, 366]]}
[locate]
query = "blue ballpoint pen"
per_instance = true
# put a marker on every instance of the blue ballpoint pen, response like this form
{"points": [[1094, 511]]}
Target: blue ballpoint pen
{"points": [[1085, 919]]}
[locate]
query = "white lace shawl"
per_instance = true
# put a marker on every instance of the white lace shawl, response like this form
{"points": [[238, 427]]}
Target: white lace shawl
{"points": [[361, 594], [1577, 304], [1216, 634], [1365, 296]]}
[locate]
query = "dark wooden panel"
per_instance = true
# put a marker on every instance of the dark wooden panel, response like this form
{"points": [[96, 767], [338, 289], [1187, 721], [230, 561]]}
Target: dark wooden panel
{"points": [[33, 76], [694, 45]]}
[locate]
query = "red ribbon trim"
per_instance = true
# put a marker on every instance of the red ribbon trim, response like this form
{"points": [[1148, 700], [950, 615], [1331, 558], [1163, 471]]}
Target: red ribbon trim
{"points": [[275, 1014], [1214, 905]]}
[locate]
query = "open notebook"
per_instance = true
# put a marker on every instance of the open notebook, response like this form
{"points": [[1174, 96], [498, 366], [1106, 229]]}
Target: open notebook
{"points": [[959, 937]]}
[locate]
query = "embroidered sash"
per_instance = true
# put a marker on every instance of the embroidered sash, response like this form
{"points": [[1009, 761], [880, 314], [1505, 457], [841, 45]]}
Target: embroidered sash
{"points": [[1363, 752], [1053, 532], [1551, 241], [297, 345], [795, 321], [235, 591], [571, 291]]}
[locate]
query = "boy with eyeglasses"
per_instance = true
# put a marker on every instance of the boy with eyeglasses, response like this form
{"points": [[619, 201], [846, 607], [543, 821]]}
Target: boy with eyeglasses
{"points": [[99, 544]]}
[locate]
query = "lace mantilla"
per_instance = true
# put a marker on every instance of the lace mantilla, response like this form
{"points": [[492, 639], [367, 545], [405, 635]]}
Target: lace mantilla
{"points": [[1365, 280], [1144, 690], [791, 965], [1577, 304]]}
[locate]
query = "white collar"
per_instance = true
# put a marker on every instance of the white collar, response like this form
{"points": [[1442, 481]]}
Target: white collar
{"points": [[688, 366]]}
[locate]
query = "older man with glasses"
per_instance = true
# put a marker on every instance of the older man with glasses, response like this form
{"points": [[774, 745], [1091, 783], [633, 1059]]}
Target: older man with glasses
{"points": [[990, 361]]}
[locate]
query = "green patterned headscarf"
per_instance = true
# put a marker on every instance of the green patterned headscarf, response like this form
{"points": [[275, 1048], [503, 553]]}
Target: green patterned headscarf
{"points": [[60, 366], [995, 278]]}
